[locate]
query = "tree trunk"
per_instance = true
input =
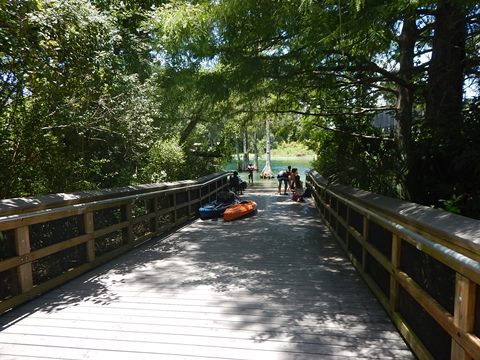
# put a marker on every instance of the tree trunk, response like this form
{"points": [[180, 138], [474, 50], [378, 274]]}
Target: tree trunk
{"points": [[444, 102], [267, 169], [188, 129], [238, 155], [405, 99], [246, 157], [255, 151]]}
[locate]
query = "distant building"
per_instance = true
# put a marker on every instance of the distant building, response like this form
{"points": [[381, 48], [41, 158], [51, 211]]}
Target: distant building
{"points": [[385, 121]]}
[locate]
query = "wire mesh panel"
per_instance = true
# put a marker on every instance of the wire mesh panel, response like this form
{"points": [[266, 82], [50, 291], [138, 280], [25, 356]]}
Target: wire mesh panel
{"points": [[377, 272], [165, 201], [342, 210], [333, 203], [55, 231], [342, 233], [432, 335], [356, 221], [182, 212], [141, 229], [195, 194], [9, 286], [56, 264], [110, 242], [205, 191], [51, 233], [166, 219], [380, 238], [107, 217], [437, 279], [181, 197], [333, 220], [142, 207], [7, 244], [355, 248], [327, 198]]}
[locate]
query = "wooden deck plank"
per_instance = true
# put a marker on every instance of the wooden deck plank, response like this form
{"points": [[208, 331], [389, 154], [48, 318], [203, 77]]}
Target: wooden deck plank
{"points": [[273, 286]]}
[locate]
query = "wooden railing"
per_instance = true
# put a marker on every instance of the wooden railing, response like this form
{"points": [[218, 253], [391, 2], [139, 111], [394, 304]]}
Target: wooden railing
{"points": [[49, 240], [423, 265]]}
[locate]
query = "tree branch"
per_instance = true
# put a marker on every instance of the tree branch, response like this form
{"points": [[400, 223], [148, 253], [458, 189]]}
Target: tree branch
{"points": [[359, 112], [362, 136]]}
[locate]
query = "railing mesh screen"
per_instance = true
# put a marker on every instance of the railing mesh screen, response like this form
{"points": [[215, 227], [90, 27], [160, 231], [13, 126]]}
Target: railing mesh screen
{"points": [[380, 238], [435, 339], [435, 278], [356, 221], [109, 242], [7, 244], [55, 231], [53, 265], [8, 284], [378, 273]]}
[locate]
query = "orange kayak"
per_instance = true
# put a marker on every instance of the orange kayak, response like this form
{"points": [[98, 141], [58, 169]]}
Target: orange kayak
{"points": [[239, 210]]}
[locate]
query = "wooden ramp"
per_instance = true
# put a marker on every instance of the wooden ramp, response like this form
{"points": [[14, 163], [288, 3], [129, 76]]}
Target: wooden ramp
{"points": [[272, 286]]}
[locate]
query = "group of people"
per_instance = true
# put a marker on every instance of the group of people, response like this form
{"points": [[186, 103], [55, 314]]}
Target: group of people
{"points": [[236, 184], [290, 179]]}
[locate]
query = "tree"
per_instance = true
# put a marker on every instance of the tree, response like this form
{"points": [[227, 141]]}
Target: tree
{"points": [[267, 173], [339, 63]]}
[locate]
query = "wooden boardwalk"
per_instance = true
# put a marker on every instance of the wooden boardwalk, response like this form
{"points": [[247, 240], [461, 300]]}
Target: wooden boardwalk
{"points": [[273, 286]]}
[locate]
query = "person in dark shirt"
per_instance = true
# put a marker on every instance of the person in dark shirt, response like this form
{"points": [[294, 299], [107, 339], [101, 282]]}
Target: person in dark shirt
{"points": [[283, 178], [250, 170], [235, 184]]}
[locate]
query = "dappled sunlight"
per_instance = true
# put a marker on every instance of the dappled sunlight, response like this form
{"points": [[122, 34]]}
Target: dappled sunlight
{"points": [[273, 285]]}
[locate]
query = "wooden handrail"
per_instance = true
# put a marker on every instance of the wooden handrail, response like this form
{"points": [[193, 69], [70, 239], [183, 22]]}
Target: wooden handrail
{"points": [[19, 216], [452, 240]]}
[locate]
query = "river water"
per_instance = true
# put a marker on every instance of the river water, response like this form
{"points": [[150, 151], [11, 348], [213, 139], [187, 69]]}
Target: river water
{"points": [[301, 163]]}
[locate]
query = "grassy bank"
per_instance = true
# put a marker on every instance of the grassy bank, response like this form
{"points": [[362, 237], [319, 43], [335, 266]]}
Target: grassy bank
{"points": [[285, 151], [292, 150]]}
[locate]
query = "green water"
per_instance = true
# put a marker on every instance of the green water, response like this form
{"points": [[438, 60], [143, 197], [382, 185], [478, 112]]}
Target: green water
{"points": [[301, 163]]}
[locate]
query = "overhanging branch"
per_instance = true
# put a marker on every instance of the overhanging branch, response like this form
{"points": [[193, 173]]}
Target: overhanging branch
{"points": [[344, 113], [362, 136]]}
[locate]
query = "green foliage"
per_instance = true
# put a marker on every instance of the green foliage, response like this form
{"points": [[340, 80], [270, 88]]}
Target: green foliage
{"points": [[166, 162], [291, 149], [54, 72], [451, 205], [100, 93], [366, 163]]}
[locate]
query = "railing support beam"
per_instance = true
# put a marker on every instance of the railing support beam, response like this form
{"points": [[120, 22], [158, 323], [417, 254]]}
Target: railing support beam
{"points": [[24, 271]]}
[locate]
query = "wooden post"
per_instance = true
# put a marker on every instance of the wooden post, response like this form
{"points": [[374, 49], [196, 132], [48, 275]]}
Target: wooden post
{"points": [[396, 246], [464, 313], [24, 271], [364, 241], [156, 210], [335, 214], [174, 195], [189, 199], [88, 226], [347, 230]]}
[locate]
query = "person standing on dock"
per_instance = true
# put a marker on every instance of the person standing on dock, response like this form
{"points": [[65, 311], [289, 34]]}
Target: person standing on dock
{"points": [[283, 178], [291, 179], [250, 169]]}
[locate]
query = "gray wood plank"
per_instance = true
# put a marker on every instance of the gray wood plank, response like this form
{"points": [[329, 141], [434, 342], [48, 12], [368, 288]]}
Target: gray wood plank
{"points": [[272, 286]]}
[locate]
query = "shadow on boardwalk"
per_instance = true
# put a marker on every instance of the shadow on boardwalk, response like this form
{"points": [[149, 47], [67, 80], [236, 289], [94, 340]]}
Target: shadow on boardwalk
{"points": [[272, 286]]}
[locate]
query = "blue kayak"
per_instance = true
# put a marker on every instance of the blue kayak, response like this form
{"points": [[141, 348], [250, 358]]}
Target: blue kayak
{"points": [[214, 209]]}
